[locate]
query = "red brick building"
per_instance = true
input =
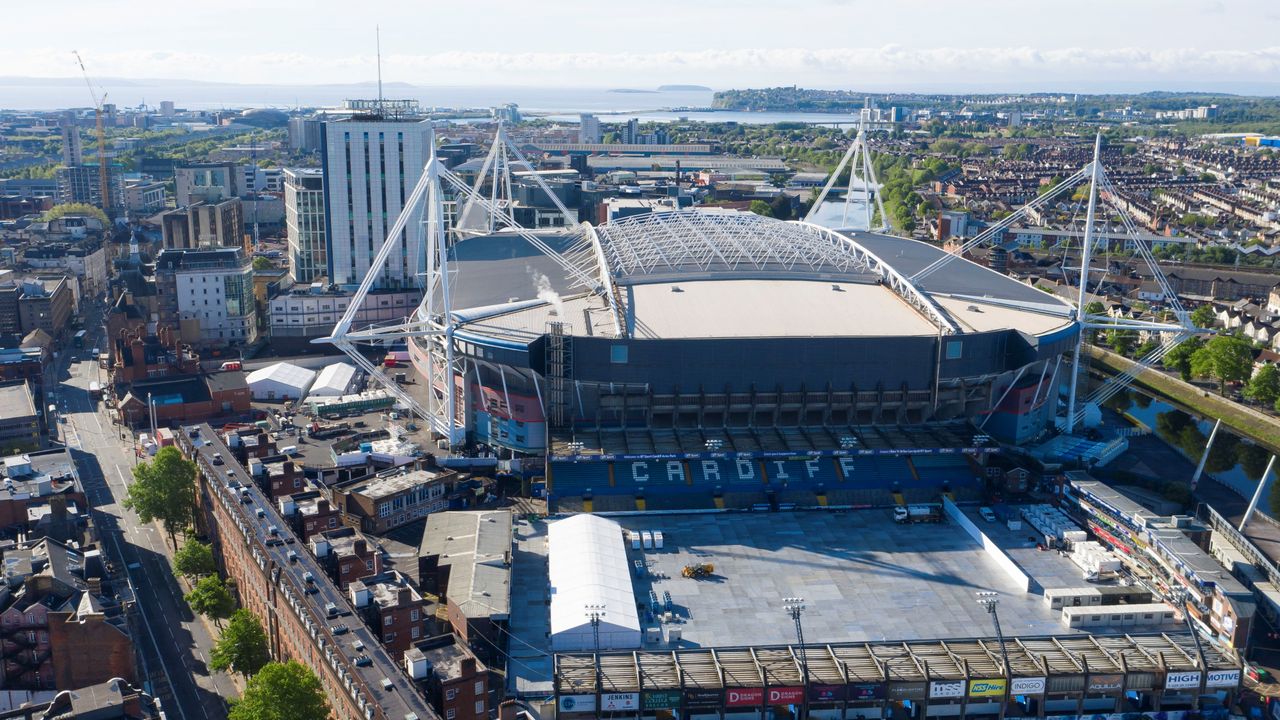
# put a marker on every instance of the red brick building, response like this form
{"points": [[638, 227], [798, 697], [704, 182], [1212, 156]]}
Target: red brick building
{"points": [[346, 555], [393, 609], [452, 678]]}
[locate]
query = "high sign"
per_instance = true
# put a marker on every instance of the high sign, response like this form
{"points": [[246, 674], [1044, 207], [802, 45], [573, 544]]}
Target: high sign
{"points": [[1027, 686], [577, 703], [786, 695], [743, 697], [1182, 681], [1104, 683], [1222, 679], [946, 689], [986, 688], [660, 700], [620, 701]]}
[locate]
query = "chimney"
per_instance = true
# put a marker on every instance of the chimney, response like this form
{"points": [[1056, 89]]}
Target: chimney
{"points": [[95, 586], [359, 547], [403, 597], [322, 506], [58, 508], [468, 667]]}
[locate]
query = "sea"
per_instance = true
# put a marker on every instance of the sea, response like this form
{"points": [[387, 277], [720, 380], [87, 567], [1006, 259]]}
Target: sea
{"points": [[563, 104]]}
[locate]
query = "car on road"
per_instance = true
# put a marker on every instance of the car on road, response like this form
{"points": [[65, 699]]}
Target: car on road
{"points": [[987, 514], [1258, 675]]}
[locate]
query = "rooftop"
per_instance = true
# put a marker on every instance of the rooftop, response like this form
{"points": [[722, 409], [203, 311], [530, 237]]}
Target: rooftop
{"points": [[477, 547], [16, 401], [378, 487]]}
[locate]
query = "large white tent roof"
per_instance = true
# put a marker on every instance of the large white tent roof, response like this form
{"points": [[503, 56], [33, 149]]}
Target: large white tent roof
{"points": [[334, 380], [588, 567], [282, 373]]}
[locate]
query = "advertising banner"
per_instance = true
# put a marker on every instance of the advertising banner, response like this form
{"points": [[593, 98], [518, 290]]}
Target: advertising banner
{"points": [[703, 699], [1182, 680], [946, 689], [660, 700], [986, 688], [620, 701], [866, 691], [1222, 679], [577, 703], [743, 697], [1104, 683], [1027, 686], [786, 695], [908, 691], [826, 693]]}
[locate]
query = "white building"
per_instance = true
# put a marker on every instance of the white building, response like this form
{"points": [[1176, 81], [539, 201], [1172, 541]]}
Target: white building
{"points": [[313, 312], [335, 380], [304, 223], [588, 567], [370, 168], [281, 381], [589, 129], [212, 295]]}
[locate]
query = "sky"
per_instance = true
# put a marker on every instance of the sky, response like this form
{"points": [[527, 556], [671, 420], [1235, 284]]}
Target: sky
{"points": [[855, 44]]}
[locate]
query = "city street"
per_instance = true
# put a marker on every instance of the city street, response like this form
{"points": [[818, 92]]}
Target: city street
{"points": [[173, 643]]}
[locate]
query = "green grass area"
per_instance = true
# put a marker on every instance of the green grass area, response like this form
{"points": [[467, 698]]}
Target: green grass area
{"points": [[1244, 422]]}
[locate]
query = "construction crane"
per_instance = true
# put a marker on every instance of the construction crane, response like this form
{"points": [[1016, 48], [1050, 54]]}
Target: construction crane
{"points": [[104, 188]]}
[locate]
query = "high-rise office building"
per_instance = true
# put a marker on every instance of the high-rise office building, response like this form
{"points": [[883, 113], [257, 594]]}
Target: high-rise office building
{"points": [[83, 184], [166, 108], [589, 130], [208, 182], [72, 144], [370, 168], [304, 223], [304, 134], [631, 132]]}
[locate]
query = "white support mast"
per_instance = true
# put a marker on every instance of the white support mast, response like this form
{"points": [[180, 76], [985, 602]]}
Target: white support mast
{"points": [[857, 159], [1084, 278]]}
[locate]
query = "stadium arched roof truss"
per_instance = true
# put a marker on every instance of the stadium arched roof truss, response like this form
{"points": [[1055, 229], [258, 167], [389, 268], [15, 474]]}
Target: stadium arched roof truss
{"points": [[693, 244]]}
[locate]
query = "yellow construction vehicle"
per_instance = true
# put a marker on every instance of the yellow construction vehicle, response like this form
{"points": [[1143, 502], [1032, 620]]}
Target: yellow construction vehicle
{"points": [[698, 570]]}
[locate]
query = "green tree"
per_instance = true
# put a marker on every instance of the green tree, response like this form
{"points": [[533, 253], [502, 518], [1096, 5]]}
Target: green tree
{"points": [[761, 207], [261, 263], [1225, 358], [1122, 341], [282, 691], [211, 599], [781, 207], [1179, 358], [1203, 316], [164, 489], [58, 211], [242, 646], [194, 559], [1146, 348], [1264, 386]]}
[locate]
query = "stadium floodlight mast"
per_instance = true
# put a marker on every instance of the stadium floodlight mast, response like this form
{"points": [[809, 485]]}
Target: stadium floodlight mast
{"points": [[795, 607], [595, 612], [989, 600]]}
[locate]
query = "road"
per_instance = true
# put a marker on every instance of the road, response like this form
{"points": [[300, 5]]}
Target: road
{"points": [[174, 644]]}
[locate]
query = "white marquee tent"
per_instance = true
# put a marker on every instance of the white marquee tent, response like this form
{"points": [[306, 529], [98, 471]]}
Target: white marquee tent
{"points": [[281, 381], [588, 567], [335, 380]]}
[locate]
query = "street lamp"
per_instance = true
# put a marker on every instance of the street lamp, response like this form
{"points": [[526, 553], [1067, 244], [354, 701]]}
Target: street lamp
{"points": [[594, 612], [794, 606]]}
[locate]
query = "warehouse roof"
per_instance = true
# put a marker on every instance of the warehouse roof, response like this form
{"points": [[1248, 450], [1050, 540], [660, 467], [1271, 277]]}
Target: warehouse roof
{"points": [[476, 545]]}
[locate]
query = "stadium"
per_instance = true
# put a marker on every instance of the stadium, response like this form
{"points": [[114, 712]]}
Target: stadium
{"points": [[724, 359]]}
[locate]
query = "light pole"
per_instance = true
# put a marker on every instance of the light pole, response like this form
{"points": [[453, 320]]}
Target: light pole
{"points": [[594, 612], [794, 606], [990, 600]]}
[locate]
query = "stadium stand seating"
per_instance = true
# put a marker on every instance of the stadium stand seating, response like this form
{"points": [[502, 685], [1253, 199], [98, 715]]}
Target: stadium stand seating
{"points": [[939, 469], [570, 478]]}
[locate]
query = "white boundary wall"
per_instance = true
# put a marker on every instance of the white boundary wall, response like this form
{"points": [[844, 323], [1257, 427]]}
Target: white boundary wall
{"points": [[1010, 568]]}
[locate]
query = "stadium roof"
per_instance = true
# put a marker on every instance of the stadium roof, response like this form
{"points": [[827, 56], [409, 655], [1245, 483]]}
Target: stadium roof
{"points": [[717, 273]]}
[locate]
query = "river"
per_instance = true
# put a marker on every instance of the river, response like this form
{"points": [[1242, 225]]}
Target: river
{"points": [[1235, 461]]}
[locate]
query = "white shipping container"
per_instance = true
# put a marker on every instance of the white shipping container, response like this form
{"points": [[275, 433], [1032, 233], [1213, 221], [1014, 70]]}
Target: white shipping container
{"points": [[648, 540], [635, 539], [657, 539]]}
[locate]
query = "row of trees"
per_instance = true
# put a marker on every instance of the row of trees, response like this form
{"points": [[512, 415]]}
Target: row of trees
{"points": [[164, 489]]}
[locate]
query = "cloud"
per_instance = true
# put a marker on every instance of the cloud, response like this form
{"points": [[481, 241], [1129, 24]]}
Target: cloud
{"points": [[845, 67]]}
